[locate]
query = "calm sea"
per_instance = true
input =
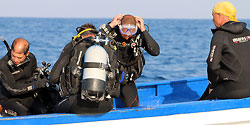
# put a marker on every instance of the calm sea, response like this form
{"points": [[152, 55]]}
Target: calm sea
{"points": [[184, 44]]}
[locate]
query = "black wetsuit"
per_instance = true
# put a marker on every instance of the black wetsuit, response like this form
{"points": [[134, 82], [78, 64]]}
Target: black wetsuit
{"points": [[228, 62], [131, 64], [72, 102], [17, 87]]}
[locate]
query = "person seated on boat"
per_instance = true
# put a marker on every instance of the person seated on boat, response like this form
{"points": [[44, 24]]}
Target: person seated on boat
{"points": [[68, 74], [16, 81], [228, 63], [130, 36]]}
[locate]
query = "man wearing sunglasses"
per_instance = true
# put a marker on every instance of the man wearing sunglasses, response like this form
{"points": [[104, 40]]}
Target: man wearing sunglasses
{"points": [[16, 81], [129, 37]]}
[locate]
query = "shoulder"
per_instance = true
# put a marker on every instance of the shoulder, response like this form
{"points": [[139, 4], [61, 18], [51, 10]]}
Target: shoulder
{"points": [[4, 58], [219, 36], [247, 31], [68, 47], [33, 61], [3, 62], [219, 33], [32, 57]]}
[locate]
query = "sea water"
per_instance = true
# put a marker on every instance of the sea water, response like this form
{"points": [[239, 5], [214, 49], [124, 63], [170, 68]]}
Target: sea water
{"points": [[184, 43]]}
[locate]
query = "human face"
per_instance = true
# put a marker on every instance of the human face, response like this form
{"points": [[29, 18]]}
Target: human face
{"points": [[126, 36], [127, 30], [217, 19], [17, 57]]}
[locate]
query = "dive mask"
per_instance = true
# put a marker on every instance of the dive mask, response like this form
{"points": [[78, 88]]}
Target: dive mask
{"points": [[128, 29]]}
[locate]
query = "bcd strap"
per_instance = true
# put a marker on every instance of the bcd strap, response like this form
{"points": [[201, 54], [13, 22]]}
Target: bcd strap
{"points": [[63, 84], [94, 65]]}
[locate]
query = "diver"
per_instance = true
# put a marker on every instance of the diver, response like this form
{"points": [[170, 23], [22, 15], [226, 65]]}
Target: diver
{"points": [[129, 36], [17, 81], [79, 91], [228, 63]]}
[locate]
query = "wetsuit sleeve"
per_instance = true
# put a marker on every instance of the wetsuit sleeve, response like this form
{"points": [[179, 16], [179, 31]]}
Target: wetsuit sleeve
{"points": [[17, 87], [150, 44], [106, 29], [214, 58], [109, 27], [62, 61]]}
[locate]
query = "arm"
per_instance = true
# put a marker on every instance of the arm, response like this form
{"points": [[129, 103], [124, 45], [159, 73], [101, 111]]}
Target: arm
{"points": [[148, 42], [214, 58], [20, 88], [60, 63], [111, 25], [17, 87]]}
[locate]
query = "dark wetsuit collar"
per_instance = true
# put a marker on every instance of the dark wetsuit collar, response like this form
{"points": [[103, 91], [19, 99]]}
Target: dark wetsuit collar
{"points": [[11, 64], [231, 27]]}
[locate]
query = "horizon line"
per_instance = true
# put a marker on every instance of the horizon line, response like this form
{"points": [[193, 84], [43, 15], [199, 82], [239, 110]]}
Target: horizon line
{"points": [[108, 17]]}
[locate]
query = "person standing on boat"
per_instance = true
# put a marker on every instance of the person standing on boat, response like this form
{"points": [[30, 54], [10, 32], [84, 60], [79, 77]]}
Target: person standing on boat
{"points": [[16, 81], [228, 61], [68, 73], [129, 36]]}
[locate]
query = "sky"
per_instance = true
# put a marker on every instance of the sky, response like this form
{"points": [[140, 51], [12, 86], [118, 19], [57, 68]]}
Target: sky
{"points": [[178, 9]]}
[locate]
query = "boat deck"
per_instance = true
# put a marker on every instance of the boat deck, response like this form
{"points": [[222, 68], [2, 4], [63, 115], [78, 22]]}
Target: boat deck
{"points": [[160, 98]]}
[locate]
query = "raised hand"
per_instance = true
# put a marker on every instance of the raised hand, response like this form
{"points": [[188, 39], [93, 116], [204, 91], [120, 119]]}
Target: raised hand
{"points": [[116, 20], [140, 23]]}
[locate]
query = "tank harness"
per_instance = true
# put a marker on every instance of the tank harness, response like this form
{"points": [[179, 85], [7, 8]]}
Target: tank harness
{"points": [[71, 75]]}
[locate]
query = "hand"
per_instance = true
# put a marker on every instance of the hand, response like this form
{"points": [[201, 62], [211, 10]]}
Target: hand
{"points": [[140, 23], [116, 20], [210, 90]]}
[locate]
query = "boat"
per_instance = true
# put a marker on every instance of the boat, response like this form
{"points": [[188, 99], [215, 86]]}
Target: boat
{"points": [[167, 101]]}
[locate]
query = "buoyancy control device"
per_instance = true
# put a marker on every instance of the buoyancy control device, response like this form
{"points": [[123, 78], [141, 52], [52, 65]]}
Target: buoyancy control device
{"points": [[90, 70]]}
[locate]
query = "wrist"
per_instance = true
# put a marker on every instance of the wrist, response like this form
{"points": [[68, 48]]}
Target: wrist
{"points": [[143, 29], [112, 25]]}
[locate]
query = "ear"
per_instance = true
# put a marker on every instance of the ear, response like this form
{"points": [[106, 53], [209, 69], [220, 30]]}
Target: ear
{"points": [[27, 54]]}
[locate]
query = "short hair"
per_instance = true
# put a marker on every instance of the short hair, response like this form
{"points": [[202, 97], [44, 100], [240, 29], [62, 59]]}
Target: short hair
{"points": [[85, 26], [25, 47]]}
